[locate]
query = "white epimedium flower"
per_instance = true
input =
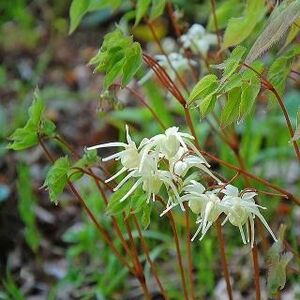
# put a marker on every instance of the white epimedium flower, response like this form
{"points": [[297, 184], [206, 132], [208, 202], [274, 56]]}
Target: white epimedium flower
{"points": [[198, 40], [167, 145], [178, 62], [208, 206], [129, 157], [181, 166], [241, 208]]}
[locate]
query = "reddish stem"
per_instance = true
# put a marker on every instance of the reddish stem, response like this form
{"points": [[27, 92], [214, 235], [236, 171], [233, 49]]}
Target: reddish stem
{"points": [[256, 271], [223, 258]]}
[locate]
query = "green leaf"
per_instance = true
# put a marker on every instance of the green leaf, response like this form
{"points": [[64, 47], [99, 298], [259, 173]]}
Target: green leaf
{"points": [[78, 9], [293, 32], [26, 207], [157, 9], [27, 136], [208, 104], [89, 159], [281, 68], [227, 9], [57, 178], [137, 200], [204, 87], [146, 215], [118, 57], [230, 111], [116, 207], [250, 91], [141, 10], [297, 131], [279, 22], [239, 29], [233, 61], [132, 63], [235, 80], [277, 264]]}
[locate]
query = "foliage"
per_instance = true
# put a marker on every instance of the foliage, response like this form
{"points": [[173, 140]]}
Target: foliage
{"points": [[26, 206], [278, 262], [36, 125], [118, 56], [233, 125], [57, 178], [279, 23], [238, 29]]}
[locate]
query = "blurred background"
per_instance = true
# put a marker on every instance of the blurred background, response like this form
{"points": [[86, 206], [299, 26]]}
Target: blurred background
{"points": [[52, 252]]}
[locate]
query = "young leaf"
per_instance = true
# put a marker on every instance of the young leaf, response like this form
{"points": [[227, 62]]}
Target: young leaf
{"points": [[278, 25], [132, 64], [230, 111], [57, 178], [118, 56], [204, 87], [27, 136], [239, 29]]}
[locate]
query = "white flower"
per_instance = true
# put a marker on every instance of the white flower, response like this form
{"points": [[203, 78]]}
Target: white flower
{"points": [[178, 62], [209, 207], [241, 208], [167, 144], [129, 157], [181, 167], [198, 40]]}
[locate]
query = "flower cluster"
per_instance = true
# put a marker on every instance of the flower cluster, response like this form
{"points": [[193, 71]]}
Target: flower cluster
{"points": [[171, 161], [198, 40], [178, 62]]}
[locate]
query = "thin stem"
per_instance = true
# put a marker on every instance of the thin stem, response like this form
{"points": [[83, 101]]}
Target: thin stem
{"points": [[115, 223], [213, 7], [151, 263], [269, 86], [156, 39], [96, 180], [191, 126], [103, 232], [141, 100], [139, 270], [189, 251], [261, 232], [257, 178], [223, 259], [178, 34], [179, 257], [256, 271], [99, 227], [287, 119]]}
